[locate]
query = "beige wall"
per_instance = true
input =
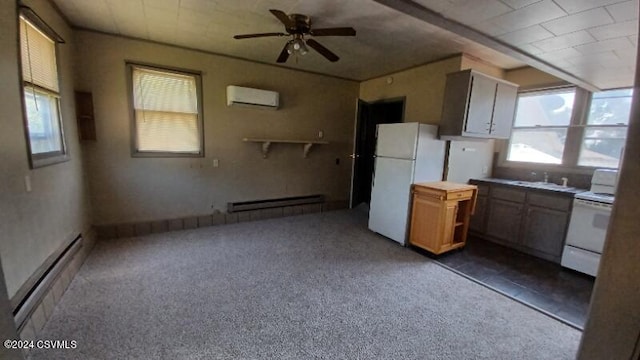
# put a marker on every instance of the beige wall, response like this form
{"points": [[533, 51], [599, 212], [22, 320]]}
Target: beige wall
{"points": [[470, 62], [126, 189], [423, 87], [36, 223], [531, 78]]}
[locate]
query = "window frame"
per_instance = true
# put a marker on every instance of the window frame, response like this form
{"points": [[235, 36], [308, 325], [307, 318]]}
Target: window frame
{"points": [[573, 143], [130, 65], [37, 160]]}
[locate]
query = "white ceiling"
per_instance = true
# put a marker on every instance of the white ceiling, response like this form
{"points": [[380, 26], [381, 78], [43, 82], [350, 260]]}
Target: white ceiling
{"points": [[594, 40]]}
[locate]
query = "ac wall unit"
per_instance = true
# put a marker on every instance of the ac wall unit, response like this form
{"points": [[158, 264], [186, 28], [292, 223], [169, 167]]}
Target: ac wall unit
{"points": [[248, 97]]}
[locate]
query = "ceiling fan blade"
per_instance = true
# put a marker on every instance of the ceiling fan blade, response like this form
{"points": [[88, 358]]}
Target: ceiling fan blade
{"points": [[284, 54], [248, 36], [340, 31], [323, 50], [284, 18]]}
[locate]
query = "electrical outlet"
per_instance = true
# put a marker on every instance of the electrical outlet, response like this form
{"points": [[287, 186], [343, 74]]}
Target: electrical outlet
{"points": [[215, 163], [320, 134], [485, 170]]}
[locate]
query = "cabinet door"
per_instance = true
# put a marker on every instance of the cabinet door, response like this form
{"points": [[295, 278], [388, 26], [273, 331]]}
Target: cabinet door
{"points": [[480, 108], [545, 230], [477, 222], [426, 223], [504, 111], [504, 220]]}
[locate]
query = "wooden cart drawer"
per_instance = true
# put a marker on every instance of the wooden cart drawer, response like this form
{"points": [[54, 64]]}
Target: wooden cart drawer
{"points": [[453, 195]]}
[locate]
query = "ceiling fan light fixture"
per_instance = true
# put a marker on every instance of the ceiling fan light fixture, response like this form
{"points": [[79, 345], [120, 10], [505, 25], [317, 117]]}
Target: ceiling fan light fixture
{"points": [[303, 48]]}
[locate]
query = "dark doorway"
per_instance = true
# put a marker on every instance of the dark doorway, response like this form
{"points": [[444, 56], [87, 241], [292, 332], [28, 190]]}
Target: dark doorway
{"points": [[370, 114]]}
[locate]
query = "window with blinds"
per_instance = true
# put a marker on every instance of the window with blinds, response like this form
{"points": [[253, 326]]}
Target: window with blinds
{"points": [[166, 112], [41, 93]]}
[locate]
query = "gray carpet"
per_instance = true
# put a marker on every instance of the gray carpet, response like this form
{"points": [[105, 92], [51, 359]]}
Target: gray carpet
{"points": [[312, 286]]}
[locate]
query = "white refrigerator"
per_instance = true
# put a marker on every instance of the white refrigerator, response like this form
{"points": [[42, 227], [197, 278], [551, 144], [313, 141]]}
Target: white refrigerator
{"points": [[406, 153]]}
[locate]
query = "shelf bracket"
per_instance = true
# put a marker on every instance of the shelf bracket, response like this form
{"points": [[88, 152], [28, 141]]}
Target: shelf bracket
{"points": [[265, 149], [307, 148]]}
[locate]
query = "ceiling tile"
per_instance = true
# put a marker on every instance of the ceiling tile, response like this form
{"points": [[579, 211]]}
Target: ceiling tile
{"points": [[624, 11], [574, 6], [516, 4], [579, 21], [530, 49], [605, 45], [598, 58], [560, 55], [542, 11], [202, 6], [621, 29], [171, 5], [526, 35], [564, 41], [482, 10]]}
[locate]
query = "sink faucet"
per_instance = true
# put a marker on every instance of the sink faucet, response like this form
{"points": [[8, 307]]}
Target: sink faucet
{"points": [[546, 177]]}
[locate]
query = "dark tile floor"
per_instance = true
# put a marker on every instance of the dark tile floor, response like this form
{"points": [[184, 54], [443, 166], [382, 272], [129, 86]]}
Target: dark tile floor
{"points": [[540, 283]]}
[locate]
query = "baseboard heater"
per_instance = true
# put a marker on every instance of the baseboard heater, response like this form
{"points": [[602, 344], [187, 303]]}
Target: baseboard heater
{"points": [[234, 207], [47, 275]]}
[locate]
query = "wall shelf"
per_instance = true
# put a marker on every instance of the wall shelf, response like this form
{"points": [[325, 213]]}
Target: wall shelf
{"points": [[266, 144]]}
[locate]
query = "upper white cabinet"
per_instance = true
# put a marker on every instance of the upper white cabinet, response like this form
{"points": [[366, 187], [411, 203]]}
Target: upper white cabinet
{"points": [[477, 105]]}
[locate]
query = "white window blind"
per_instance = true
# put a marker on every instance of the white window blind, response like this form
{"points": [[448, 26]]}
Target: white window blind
{"points": [[166, 111], [38, 57]]}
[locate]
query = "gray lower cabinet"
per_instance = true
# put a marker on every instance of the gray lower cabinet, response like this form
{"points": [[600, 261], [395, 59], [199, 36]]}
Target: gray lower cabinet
{"points": [[531, 221], [505, 218], [545, 230], [478, 220]]}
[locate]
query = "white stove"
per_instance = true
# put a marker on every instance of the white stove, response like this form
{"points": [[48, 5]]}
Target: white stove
{"points": [[589, 221], [597, 197]]}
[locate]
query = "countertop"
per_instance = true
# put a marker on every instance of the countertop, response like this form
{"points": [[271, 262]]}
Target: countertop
{"points": [[528, 185]]}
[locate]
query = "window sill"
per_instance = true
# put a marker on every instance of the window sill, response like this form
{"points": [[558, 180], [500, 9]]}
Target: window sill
{"points": [[38, 162]]}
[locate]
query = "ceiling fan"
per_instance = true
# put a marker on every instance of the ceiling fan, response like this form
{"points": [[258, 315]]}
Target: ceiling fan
{"points": [[298, 26]]}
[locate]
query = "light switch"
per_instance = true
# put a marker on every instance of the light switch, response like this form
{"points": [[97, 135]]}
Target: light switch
{"points": [[27, 183], [215, 163]]}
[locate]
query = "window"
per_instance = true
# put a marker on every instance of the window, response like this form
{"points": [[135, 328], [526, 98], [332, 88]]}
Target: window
{"points": [[166, 112], [540, 126], [570, 127], [606, 129], [41, 96]]}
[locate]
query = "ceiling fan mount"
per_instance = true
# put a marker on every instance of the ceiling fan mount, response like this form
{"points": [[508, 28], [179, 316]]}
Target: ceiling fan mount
{"points": [[298, 26], [301, 24]]}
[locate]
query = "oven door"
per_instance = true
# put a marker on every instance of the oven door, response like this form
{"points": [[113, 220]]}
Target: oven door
{"points": [[588, 226]]}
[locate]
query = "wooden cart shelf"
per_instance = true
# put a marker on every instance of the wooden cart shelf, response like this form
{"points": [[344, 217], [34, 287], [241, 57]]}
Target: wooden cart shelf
{"points": [[440, 215], [266, 144]]}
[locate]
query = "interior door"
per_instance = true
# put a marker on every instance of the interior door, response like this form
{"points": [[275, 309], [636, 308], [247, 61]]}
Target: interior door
{"points": [[369, 116]]}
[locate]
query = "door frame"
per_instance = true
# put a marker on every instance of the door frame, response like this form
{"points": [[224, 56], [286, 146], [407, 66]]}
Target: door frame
{"points": [[356, 132]]}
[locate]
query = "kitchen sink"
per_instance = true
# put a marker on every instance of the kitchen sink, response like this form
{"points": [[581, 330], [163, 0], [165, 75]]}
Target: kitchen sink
{"points": [[540, 184]]}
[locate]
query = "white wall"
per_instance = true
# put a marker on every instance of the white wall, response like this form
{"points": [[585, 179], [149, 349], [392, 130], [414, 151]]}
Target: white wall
{"points": [[126, 189], [34, 224]]}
